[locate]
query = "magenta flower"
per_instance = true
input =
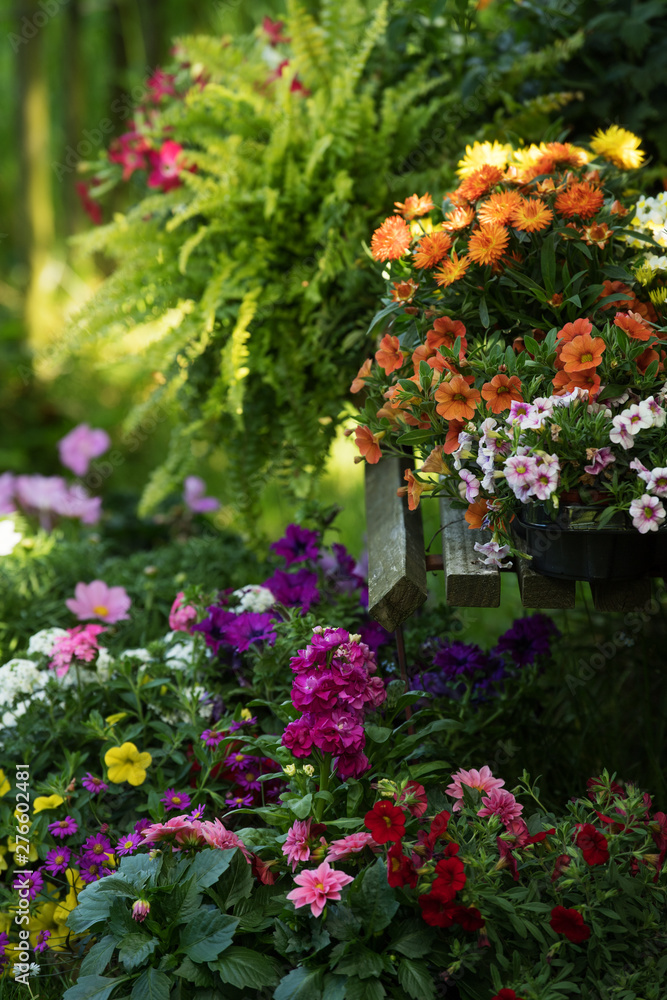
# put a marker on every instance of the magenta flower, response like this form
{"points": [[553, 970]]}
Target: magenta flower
{"points": [[129, 844], [97, 600], [94, 785], [166, 165], [57, 860], [599, 459], [217, 835], [27, 884], [175, 800], [63, 827], [212, 737], [180, 829], [483, 780], [239, 801], [499, 802], [193, 493], [42, 942], [81, 445], [197, 812], [99, 845], [140, 909], [181, 615], [161, 85], [80, 643], [129, 149], [91, 868], [297, 847], [317, 887]]}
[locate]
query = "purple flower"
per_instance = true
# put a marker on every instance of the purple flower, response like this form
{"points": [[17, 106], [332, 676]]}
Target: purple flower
{"points": [[294, 589], [80, 445], [374, 635], [249, 627], [91, 868], [94, 785], [527, 639], [193, 493], [28, 884], [128, 844], [238, 801], [175, 800], [42, 942], [99, 845], [458, 659], [63, 827], [215, 627], [141, 824], [212, 737], [197, 812], [297, 545], [57, 860], [234, 725], [4, 941]]}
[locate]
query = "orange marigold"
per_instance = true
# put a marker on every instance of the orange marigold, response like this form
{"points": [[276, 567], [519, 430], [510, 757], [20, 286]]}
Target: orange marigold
{"points": [[459, 218], [583, 352], [404, 291], [431, 249], [581, 198], [389, 356], [392, 239], [500, 392], [531, 215], [498, 207], [456, 399], [488, 243], [361, 376], [368, 445], [451, 269], [476, 513], [415, 205], [633, 325], [477, 184]]}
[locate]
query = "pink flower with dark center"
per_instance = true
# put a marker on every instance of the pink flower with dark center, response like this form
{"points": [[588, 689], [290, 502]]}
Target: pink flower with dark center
{"points": [[352, 844], [82, 444], [97, 600], [317, 887], [482, 780], [520, 472], [194, 488], [501, 803], [166, 166], [599, 459], [469, 487], [181, 615], [657, 482], [80, 643]]}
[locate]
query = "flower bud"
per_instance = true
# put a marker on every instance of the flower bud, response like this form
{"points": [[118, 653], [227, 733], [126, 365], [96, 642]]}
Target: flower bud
{"points": [[140, 909]]}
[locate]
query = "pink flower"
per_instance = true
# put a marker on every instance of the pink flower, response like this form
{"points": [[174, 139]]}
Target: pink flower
{"points": [[80, 445], [352, 844], [7, 505], [97, 600], [193, 494], [179, 829], [140, 909], [317, 887], [274, 31], [181, 615], [80, 643], [161, 85], [130, 151], [413, 797], [91, 207], [296, 848], [483, 780], [351, 765], [499, 802], [647, 513], [600, 458], [166, 164], [216, 834]]}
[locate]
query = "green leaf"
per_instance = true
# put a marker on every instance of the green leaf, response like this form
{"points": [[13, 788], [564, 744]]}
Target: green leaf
{"points": [[196, 974], [364, 989], [245, 967], [548, 264], [415, 980], [209, 865], [139, 869], [300, 984], [135, 948], [362, 962], [387, 311], [334, 987], [209, 933], [98, 957], [413, 939], [484, 312], [152, 985], [189, 903], [375, 902], [302, 807], [342, 923], [235, 884], [379, 734], [91, 988], [92, 908]]}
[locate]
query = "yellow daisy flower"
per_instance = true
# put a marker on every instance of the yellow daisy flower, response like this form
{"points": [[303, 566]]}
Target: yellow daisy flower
{"points": [[618, 146], [126, 763], [495, 153], [47, 802]]}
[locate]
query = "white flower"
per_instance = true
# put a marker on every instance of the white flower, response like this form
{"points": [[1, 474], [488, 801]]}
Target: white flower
{"points": [[652, 408], [656, 480], [44, 641], [546, 479], [104, 664], [254, 598], [140, 654], [9, 537], [621, 432], [638, 419], [182, 653], [647, 513], [493, 553], [469, 487]]}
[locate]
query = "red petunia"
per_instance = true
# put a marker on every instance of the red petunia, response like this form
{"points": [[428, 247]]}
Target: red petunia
{"points": [[506, 994], [469, 918], [593, 844], [385, 821], [570, 923], [450, 877], [437, 912], [438, 827], [400, 870]]}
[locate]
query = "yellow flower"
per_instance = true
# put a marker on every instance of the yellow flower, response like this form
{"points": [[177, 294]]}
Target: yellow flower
{"points": [[65, 907], [495, 153], [4, 784], [47, 802], [246, 714], [125, 763], [618, 146], [3, 863], [113, 719], [32, 854]]}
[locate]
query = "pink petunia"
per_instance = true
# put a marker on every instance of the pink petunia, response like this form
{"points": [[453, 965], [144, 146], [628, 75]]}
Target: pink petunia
{"points": [[97, 600], [483, 780], [82, 444], [296, 848], [194, 488], [317, 887]]}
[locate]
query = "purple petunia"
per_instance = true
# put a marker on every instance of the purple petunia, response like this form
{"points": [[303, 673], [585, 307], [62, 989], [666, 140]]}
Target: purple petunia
{"points": [[249, 627], [294, 589], [297, 545], [175, 800], [63, 827], [214, 627], [128, 844], [527, 639], [94, 785], [57, 860]]}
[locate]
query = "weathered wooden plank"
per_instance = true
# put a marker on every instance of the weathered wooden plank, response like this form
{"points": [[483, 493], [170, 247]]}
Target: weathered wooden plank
{"points": [[468, 583], [396, 558], [539, 591], [621, 595]]}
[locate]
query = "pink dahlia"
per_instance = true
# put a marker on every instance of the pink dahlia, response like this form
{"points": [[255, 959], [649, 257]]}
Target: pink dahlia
{"points": [[352, 844], [483, 780], [216, 834], [97, 600], [81, 445], [296, 848], [501, 803], [317, 887]]}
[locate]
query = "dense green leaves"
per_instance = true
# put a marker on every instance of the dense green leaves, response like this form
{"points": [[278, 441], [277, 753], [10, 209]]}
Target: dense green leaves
{"points": [[209, 933]]}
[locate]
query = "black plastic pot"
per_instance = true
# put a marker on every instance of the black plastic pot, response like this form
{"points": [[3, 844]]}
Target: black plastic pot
{"points": [[574, 547]]}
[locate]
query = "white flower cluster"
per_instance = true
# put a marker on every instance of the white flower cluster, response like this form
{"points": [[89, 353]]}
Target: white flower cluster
{"points": [[254, 598], [44, 641], [19, 678], [640, 416], [651, 218]]}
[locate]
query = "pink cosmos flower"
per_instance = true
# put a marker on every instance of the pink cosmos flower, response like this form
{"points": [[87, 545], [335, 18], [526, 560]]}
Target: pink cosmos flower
{"points": [[166, 165], [97, 600], [296, 848], [7, 505], [80, 643], [81, 445], [181, 615], [483, 780], [352, 844], [194, 488], [647, 513], [317, 887], [499, 802]]}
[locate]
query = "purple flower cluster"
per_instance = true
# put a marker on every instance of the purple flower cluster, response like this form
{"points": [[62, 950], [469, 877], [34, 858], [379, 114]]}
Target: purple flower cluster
{"points": [[294, 589], [332, 688], [4, 941], [297, 545], [224, 628], [527, 639], [47, 498]]}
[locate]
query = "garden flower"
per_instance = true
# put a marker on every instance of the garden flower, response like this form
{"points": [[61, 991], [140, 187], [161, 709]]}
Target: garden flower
{"points": [[506, 994], [217, 835], [580, 198], [80, 446], [297, 847], [28, 883], [499, 802], [546, 479], [94, 785], [80, 643], [97, 600], [9, 537], [488, 243], [166, 165], [415, 205], [621, 432], [501, 391], [656, 481], [255, 598], [570, 923], [619, 146], [453, 268], [362, 375], [477, 183], [57, 860], [647, 513], [494, 553], [99, 845], [456, 400], [400, 869], [194, 488], [63, 827], [212, 737], [175, 800], [181, 616], [437, 911], [469, 488], [128, 844], [521, 473], [483, 780], [386, 822], [527, 639], [294, 589], [297, 545], [248, 627], [47, 802], [531, 215], [593, 844], [389, 356], [239, 801], [582, 353], [352, 844], [450, 877], [391, 240], [413, 798], [140, 909], [42, 942], [498, 208], [317, 887], [599, 459], [431, 249], [126, 763]]}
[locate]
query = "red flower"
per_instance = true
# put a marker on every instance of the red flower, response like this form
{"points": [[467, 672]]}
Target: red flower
{"points": [[413, 797], [506, 994], [400, 870], [570, 923], [389, 355], [562, 864], [385, 821], [593, 844], [91, 207], [450, 877], [437, 912], [438, 827], [166, 165], [468, 917]]}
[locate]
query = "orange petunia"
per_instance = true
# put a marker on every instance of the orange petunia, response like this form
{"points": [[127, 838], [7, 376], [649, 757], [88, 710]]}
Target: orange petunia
{"points": [[646, 358], [442, 364], [459, 218], [478, 183], [500, 392], [633, 325], [368, 445], [575, 329], [488, 244], [431, 249], [580, 199], [389, 356], [498, 208], [454, 428], [414, 489], [404, 291], [451, 269], [361, 376], [456, 399], [615, 288], [531, 215], [569, 381], [444, 332], [582, 353], [435, 462], [415, 205], [476, 513], [391, 240], [421, 353]]}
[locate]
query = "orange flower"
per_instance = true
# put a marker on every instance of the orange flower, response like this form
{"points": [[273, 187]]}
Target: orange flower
{"points": [[456, 399], [368, 445], [488, 243], [391, 240], [389, 356], [500, 392], [580, 199], [477, 184], [431, 249], [415, 205], [444, 333], [421, 353], [531, 215], [633, 325], [451, 270], [460, 218], [564, 154], [361, 376], [404, 291], [442, 364], [598, 234], [435, 462], [476, 513], [645, 359], [582, 353], [452, 439], [616, 288], [569, 381], [572, 330], [498, 208], [414, 489]]}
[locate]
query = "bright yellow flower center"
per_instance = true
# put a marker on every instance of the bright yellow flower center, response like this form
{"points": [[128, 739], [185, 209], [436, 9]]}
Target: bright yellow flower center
{"points": [[101, 610]]}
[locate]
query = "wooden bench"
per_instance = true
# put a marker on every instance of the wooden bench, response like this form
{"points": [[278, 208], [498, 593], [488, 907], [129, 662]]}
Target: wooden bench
{"points": [[398, 564]]}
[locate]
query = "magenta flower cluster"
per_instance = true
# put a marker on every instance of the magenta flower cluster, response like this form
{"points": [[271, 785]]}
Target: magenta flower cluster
{"points": [[333, 687]]}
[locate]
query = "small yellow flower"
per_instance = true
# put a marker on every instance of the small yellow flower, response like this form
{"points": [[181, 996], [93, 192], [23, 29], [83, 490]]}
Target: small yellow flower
{"points": [[32, 854], [125, 763], [4, 784], [65, 907], [619, 147], [47, 802], [113, 719], [246, 714], [289, 770], [479, 153], [3, 863]]}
